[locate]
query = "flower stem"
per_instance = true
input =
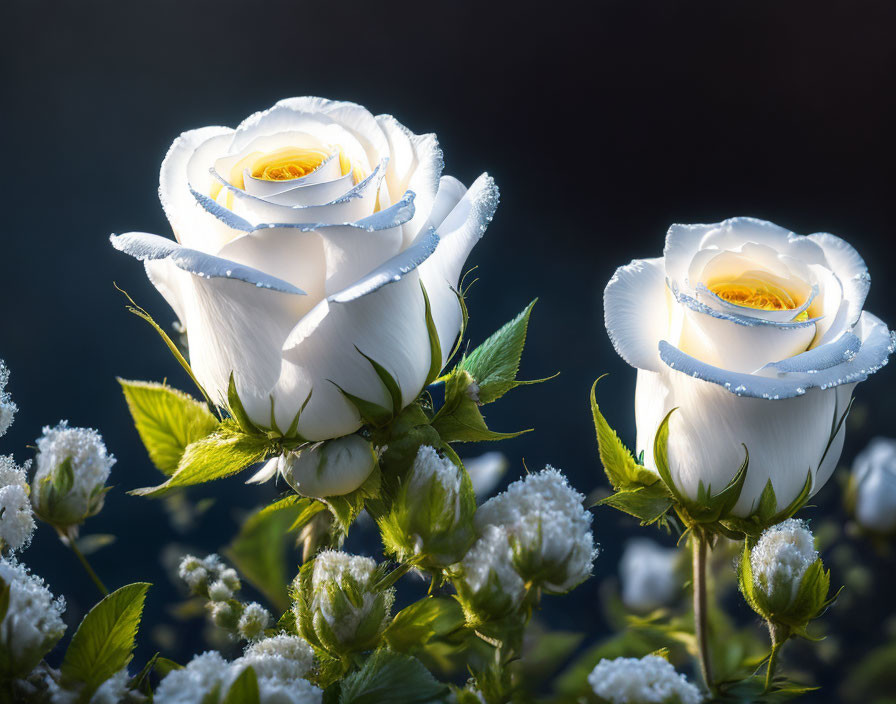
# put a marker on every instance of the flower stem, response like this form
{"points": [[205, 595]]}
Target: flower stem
{"points": [[701, 606], [777, 642], [393, 576], [87, 568]]}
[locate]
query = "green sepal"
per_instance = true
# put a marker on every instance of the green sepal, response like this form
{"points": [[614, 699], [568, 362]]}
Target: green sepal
{"points": [[238, 412], [415, 625], [244, 689], [459, 419], [389, 382], [435, 346], [64, 477], [371, 413], [224, 452], [167, 420], [345, 509], [623, 471], [764, 513], [105, 640]]}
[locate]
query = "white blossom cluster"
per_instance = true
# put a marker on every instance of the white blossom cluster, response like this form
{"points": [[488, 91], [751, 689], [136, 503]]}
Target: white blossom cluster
{"points": [[334, 568], [16, 516], [33, 620], [649, 575], [113, 691], [648, 680], [90, 465], [781, 557], [280, 664], [489, 574], [7, 407], [546, 519]]}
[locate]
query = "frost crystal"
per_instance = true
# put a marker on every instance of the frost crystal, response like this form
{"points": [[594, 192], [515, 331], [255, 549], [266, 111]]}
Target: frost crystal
{"points": [[7, 407], [648, 574], [16, 517], [549, 527], [254, 619], [649, 680], [283, 658], [33, 621], [90, 464], [428, 465], [781, 557]]}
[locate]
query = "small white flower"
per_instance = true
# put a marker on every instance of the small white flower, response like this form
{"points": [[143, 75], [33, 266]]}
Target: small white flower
{"points": [[192, 683], [489, 584], [219, 591], [192, 571], [781, 557], [874, 477], [223, 615], [230, 578], [340, 608], [33, 622], [86, 455], [254, 619], [648, 680], [283, 658], [486, 471], [549, 527], [16, 516], [649, 575], [7, 407]]}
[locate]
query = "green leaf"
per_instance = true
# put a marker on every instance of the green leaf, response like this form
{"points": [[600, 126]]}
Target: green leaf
{"points": [[167, 420], [435, 346], [496, 362], [460, 419], [244, 689], [345, 508], [226, 451], [238, 412], [647, 503], [392, 677], [261, 548], [423, 620], [104, 642], [622, 469], [163, 666]]}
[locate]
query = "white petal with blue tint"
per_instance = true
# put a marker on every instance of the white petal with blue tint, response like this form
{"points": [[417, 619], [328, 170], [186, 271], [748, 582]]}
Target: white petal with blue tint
{"points": [[636, 312]]}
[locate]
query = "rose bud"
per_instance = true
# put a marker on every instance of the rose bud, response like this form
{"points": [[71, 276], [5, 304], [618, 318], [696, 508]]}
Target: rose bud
{"points": [[649, 574], [873, 486]]}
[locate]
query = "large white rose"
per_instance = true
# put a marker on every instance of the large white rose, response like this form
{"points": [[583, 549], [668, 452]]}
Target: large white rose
{"points": [[757, 336], [303, 238]]}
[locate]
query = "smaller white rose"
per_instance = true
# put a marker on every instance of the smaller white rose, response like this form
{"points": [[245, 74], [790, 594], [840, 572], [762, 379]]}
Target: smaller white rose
{"points": [[874, 479], [649, 575]]}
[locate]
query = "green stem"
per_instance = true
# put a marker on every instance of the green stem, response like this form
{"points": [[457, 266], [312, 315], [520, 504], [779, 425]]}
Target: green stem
{"points": [[701, 606], [777, 642], [87, 568]]}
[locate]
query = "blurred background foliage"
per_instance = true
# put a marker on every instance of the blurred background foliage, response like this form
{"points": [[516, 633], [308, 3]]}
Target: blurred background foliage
{"points": [[602, 123]]}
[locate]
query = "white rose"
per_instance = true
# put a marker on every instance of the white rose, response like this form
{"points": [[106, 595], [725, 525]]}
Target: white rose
{"points": [[757, 336], [303, 238], [874, 479]]}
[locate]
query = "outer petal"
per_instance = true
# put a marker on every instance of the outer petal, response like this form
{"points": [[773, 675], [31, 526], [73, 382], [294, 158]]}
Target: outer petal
{"points": [[415, 164], [192, 226], [786, 439], [636, 312], [849, 267], [458, 234]]}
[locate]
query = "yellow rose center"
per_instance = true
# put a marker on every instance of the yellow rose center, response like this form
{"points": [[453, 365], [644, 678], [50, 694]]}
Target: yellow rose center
{"points": [[757, 293], [288, 163]]}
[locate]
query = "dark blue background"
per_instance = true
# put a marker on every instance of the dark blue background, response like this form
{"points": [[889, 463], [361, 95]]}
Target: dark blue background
{"points": [[602, 122]]}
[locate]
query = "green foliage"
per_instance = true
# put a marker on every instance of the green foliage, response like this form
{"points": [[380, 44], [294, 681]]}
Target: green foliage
{"points": [[459, 419], [238, 412], [415, 625], [435, 346], [496, 362], [167, 420], [649, 504], [261, 548], [387, 676], [765, 513], [104, 642], [224, 452], [345, 508]]}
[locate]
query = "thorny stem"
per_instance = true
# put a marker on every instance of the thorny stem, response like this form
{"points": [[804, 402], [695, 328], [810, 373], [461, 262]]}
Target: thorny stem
{"points": [[701, 607], [87, 568]]}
